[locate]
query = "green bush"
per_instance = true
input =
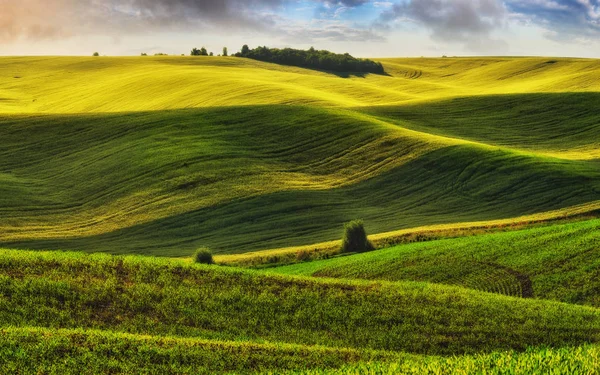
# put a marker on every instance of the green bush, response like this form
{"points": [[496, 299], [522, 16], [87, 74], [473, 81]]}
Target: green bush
{"points": [[203, 256], [355, 238]]}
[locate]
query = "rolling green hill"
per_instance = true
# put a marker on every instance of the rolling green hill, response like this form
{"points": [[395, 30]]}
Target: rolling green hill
{"points": [[557, 262], [123, 313], [163, 155]]}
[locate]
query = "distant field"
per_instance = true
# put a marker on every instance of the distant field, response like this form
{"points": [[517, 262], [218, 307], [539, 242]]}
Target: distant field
{"points": [[161, 155]]}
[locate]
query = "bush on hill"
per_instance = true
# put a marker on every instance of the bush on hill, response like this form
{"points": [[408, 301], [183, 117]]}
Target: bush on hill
{"points": [[313, 59], [355, 238], [203, 256]]}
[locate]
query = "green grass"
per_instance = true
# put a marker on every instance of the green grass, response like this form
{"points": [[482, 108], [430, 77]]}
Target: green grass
{"points": [[577, 360], [563, 125], [167, 183], [48, 351], [78, 351], [560, 261], [163, 155], [174, 298]]}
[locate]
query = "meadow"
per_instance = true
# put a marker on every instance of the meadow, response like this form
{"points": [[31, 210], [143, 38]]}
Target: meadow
{"points": [[93, 305], [478, 180], [240, 155], [556, 262]]}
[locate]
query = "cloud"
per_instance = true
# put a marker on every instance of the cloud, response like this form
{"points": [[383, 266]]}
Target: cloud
{"points": [[47, 19], [59, 19], [562, 19], [345, 3], [468, 22], [329, 31], [336, 8]]}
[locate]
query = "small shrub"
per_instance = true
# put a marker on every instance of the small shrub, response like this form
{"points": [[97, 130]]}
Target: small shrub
{"points": [[203, 256], [96, 54], [355, 238]]}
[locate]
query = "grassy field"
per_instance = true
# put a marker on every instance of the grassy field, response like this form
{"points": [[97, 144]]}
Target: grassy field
{"points": [[577, 360], [558, 262], [478, 179], [161, 155], [175, 316], [78, 351]]}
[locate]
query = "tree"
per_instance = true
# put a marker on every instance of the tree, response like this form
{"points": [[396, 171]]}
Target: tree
{"points": [[144, 54], [195, 52], [245, 50], [211, 54], [225, 52], [96, 54], [355, 238], [203, 52]]}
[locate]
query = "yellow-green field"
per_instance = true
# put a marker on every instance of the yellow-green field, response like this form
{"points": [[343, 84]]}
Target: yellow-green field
{"points": [[478, 178], [161, 155], [62, 85]]}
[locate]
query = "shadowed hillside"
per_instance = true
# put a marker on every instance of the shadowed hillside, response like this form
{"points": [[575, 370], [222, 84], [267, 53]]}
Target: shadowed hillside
{"points": [[107, 155]]}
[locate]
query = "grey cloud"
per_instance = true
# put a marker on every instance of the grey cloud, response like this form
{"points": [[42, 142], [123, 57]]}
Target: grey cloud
{"points": [[334, 8], [45, 19], [469, 22], [349, 3], [563, 19], [330, 31]]}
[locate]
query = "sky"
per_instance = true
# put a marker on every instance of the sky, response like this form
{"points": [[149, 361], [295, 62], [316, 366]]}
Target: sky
{"points": [[364, 28]]}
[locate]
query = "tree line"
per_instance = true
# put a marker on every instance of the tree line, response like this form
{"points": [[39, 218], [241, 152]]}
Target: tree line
{"points": [[203, 52], [312, 59]]}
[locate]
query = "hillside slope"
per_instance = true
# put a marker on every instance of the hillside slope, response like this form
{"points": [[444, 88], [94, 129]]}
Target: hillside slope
{"points": [[163, 155], [148, 296], [558, 262]]}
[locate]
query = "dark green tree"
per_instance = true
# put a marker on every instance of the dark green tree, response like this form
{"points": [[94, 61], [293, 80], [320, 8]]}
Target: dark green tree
{"points": [[203, 256], [245, 50], [195, 52], [355, 238], [225, 51]]}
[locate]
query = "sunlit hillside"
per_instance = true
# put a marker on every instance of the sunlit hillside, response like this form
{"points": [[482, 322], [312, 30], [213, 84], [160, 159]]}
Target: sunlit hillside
{"points": [[492, 165], [120, 84], [161, 155]]}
